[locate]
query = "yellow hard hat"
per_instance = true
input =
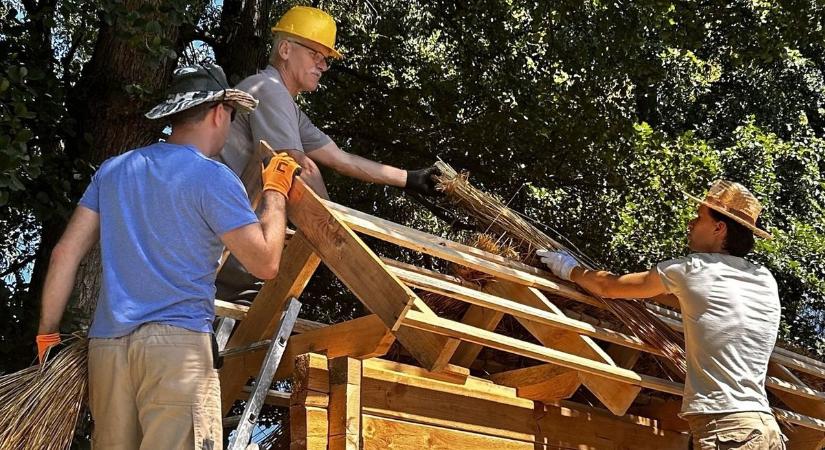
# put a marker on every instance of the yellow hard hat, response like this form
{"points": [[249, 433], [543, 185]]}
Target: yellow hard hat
{"points": [[312, 24]]}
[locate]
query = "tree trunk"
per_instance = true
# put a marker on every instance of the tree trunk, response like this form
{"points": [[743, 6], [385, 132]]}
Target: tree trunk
{"points": [[124, 78], [243, 40]]}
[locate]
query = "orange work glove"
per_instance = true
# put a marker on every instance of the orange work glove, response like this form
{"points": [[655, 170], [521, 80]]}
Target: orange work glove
{"points": [[44, 342], [278, 174]]}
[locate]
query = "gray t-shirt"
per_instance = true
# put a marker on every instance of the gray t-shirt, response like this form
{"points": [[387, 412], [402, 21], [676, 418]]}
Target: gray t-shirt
{"points": [[279, 122], [730, 311]]}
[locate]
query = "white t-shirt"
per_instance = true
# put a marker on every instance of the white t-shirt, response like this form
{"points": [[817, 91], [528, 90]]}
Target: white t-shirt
{"points": [[730, 310]]}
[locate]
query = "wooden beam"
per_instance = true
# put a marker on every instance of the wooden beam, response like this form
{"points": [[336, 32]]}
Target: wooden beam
{"points": [[458, 353], [507, 344], [518, 310], [794, 393], [361, 338], [546, 383], [381, 433], [487, 319], [345, 404], [459, 254], [361, 271], [483, 409], [298, 263], [800, 438], [616, 396], [238, 312], [308, 424]]}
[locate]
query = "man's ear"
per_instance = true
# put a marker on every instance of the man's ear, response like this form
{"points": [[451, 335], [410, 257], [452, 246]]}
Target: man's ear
{"points": [[721, 228], [283, 49], [215, 115]]}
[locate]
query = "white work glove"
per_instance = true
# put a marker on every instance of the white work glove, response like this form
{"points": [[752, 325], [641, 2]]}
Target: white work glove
{"points": [[560, 263]]}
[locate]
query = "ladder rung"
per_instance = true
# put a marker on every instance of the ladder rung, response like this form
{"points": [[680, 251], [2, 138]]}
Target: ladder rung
{"points": [[245, 348], [273, 397]]}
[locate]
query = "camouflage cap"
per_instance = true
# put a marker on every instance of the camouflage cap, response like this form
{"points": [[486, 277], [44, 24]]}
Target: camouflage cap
{"points": [[195, 85]]}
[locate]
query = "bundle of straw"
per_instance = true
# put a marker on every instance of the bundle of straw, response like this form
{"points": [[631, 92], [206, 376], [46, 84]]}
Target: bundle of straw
{"points": [[40, 405], [491, 212]]}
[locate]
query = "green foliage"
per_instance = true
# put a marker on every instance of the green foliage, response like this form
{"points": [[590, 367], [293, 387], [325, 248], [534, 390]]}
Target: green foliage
{"points": [[590, 117]]}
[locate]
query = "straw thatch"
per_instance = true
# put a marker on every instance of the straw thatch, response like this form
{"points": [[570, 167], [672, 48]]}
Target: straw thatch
{"points": [[40, 405], [495, 215]]}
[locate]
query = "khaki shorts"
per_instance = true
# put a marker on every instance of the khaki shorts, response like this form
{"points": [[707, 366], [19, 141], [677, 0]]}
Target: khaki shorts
{"points": [[155, 389], [741, 431]]}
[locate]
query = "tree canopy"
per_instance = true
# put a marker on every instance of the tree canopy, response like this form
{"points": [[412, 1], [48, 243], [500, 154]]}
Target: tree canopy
{"points": [[591, 117]]}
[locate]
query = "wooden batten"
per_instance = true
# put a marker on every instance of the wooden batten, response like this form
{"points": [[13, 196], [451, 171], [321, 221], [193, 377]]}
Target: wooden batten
{"points": [[298, 263]]}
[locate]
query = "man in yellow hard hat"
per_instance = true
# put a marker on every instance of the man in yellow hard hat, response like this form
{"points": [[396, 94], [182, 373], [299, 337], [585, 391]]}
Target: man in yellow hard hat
{"points": [[303, 47]]}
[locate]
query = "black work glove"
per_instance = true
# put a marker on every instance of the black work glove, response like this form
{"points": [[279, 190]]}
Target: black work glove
{"points": [[421, 181]]}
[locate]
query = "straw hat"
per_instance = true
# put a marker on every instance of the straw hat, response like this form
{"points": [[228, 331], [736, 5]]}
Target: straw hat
{"points": [[735, 201], [195, 85]]}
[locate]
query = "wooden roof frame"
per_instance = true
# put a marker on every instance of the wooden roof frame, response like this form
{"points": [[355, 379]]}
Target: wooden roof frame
{"points": [[445, 348]]}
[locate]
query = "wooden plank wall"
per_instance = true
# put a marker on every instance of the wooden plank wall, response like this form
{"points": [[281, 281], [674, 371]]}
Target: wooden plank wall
{"points": [[378, 404]]}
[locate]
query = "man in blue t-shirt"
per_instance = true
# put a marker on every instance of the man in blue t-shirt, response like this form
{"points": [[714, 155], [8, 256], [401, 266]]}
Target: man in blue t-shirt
{"points": [[162, 214]]}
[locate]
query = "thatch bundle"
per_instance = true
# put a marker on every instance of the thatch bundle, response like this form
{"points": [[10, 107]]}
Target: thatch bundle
{"points": [[40, 405], [452, 308], [501, 220]]}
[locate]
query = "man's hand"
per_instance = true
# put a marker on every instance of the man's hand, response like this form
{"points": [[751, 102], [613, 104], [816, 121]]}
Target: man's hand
{"points": [[44, 343], [279, 173], [422, 182], [560, 263]]}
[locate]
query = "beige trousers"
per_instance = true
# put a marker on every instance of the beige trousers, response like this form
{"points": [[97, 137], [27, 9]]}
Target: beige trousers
{"points": [[745, 431], [155, 389]]}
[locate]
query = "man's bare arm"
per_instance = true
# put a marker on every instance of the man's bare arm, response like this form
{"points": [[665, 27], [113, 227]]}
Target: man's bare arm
{"points": [[258, 246], [354, 166], [82, 232], [608, 285]]}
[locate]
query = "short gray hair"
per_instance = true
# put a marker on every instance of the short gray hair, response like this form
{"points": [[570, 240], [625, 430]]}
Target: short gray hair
{"points": [[277, 37]]}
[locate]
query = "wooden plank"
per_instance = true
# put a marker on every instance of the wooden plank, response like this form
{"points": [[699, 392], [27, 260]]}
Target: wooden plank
{"points": [[794, 393], [238, 312], [616, 396], [382, 433], [361, 338], [518, 310], [546, 383], [458, 353], [800, 438], [465, 353], [665, 411], [800, 419], [361, 271], [504, 343], [309, 425], [298, 263], [308, 428], [459, 254], [345, 404], [484, 409]]}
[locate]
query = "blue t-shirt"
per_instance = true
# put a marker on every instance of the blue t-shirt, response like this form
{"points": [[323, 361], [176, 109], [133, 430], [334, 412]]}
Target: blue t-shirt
{"points": [[162, 209]]}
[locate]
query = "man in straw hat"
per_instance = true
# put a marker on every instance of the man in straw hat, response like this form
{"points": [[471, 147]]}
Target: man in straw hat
{"points": [[730, 310], [162, 214], [303, 47]]}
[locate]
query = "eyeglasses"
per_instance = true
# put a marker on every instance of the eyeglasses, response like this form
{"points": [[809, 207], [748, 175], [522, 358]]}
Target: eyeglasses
{"points": [[317, 56]]}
